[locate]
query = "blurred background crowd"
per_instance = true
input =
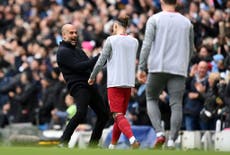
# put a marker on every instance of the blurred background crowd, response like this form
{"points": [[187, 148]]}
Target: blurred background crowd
{"points": [[33, 90]]}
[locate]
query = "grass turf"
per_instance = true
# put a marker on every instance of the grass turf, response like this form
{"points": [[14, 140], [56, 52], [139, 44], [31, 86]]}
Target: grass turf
{"points": [[64, 151]]}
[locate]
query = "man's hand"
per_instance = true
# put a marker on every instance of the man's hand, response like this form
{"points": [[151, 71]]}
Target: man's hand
{"points": [[199, 87], [141, 76], [193, 95], [193, 70], [91, 81], [163, 96]]}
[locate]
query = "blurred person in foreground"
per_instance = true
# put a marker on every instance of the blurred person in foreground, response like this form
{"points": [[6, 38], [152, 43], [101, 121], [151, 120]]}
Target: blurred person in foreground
{"points": [[167, 49], [76, 67], [120, 53]]}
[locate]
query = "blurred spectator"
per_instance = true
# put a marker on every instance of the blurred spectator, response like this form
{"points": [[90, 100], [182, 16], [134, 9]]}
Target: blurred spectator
{"points": [[4, 118], [213, 102], [217, 63], [226, 111], [137, 107], [196, 85], [60, 92], [202, 54], [59, 118], [3, 96], [25, 96], [165, 109], [46, 103]]}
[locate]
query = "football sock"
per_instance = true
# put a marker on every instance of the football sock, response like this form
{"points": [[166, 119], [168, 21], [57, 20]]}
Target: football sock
{"points": [[124, 126], [115, 133]]}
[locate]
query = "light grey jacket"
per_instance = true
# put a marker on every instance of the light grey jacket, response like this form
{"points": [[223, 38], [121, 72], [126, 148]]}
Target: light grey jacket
{"points": [[120, 53], [168, 44]]}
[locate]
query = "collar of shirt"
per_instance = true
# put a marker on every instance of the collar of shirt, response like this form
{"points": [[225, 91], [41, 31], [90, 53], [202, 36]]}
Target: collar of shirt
{"points": [[67, 44]]}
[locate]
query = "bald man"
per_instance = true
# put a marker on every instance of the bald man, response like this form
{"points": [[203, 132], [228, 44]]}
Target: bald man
{"points": [[196, 86], [76, 68]]}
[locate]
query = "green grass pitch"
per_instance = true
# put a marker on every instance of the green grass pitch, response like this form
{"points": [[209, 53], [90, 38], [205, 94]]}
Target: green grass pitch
{"points": [[64, 151]]}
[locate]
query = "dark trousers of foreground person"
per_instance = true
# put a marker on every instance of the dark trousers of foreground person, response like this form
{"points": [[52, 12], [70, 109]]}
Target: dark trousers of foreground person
{"points": [[85, 97]]}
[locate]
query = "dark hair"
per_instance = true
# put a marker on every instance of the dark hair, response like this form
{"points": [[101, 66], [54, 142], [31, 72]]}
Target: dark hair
{"points": [[170, 2], [29, 75], [123, 20]]}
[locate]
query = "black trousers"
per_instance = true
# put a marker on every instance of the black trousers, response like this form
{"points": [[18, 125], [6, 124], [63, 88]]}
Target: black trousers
{"points": [[85, 97]]}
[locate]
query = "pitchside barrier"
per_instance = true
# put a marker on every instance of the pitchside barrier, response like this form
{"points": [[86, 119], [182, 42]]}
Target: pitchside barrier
{"points": [[27, 134], [200, 140], [19, 133]]}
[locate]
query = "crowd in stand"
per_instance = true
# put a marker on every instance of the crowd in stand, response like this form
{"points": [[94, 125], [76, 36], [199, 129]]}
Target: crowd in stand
{"points": [[33, 90]]}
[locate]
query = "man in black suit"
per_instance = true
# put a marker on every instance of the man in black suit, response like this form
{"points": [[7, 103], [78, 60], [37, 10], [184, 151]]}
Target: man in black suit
{"points": [[76, 68]]}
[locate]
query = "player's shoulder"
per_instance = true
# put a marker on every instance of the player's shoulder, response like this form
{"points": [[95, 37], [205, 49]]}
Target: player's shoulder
{"points": [[154, 18], [61, 49], [133, 38], [110, 37], [184, 18], [157, 15]]}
